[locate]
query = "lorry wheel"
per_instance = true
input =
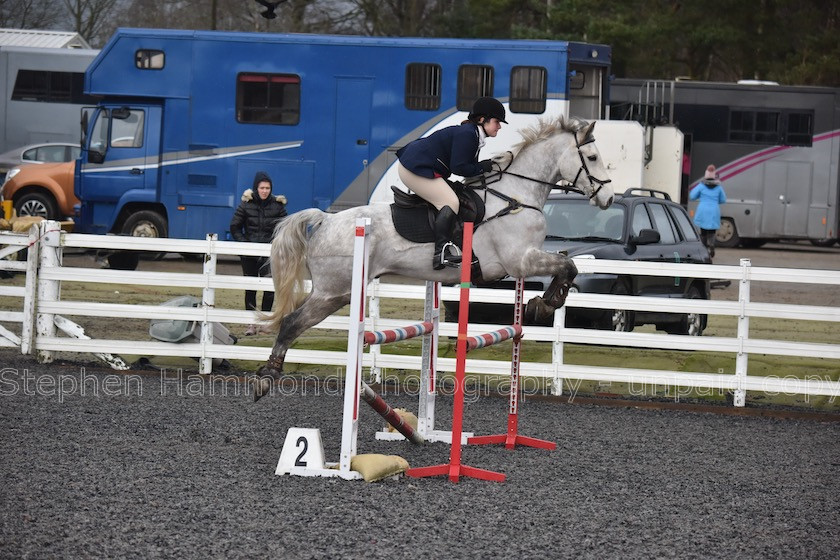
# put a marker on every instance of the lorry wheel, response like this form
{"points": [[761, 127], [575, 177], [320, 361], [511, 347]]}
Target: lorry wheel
{"points": [[35, 203], [727, 234], [146, 223], [823, 242]]}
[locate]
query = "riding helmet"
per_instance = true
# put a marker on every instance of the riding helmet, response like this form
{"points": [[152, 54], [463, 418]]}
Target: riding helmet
{"points": [[488, 107]]}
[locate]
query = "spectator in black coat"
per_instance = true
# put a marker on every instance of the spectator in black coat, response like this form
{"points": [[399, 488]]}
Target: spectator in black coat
{"points": [[254, 221]]}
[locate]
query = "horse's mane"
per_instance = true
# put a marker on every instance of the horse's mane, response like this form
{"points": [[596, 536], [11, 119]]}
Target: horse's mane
{"points": [[545, 128]]}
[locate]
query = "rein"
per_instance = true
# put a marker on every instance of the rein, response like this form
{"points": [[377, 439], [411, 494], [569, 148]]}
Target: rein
{"points": [[512, 203], [570, 186]]}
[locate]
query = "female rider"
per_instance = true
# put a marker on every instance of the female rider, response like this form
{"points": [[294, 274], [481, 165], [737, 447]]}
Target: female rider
{"points": [[426, 162]]}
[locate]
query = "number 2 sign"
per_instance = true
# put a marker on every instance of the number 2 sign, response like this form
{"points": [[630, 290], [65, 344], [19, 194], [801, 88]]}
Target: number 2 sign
{"points": [[302, 449]]}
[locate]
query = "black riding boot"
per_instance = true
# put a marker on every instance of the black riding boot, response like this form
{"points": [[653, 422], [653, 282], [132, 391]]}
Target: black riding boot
{"points": [[445, 250]]}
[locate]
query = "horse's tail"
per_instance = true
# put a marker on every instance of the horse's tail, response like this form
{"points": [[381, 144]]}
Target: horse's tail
{"points": [[288, 262]]}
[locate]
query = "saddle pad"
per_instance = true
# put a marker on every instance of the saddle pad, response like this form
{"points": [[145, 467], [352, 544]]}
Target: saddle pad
{"points": [[413, 223]]}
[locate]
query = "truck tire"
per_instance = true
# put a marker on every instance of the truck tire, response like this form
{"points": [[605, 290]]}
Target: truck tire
{"points": [[727, 234], [37, 203], [823, 242], [146, 223]]}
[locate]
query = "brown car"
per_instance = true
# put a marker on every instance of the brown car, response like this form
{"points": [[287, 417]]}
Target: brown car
{"points": [[42, 190]]}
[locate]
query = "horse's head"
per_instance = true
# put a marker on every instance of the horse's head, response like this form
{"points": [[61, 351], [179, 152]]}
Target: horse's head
{"points": [[569, 155], [597, 185], [586, 169]]}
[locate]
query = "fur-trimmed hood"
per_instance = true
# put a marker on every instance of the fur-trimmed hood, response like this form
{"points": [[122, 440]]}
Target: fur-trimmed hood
{"points": [[248, 196]]}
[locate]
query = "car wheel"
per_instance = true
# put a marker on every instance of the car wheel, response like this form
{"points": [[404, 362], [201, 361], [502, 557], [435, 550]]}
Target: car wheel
{"points": [[619, 320], [691, 324], [727, 234], [146, 223], [37, 204]]}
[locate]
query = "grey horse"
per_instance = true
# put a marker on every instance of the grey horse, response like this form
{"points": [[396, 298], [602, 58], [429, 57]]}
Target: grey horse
{"points": [[508, 242]]}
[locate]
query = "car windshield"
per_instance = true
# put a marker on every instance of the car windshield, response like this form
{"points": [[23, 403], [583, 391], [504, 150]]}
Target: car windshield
{"points": [[577, 219]]}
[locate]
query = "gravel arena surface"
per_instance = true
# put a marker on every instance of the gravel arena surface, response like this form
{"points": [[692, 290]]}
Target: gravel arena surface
{"points": [[132, 465]]}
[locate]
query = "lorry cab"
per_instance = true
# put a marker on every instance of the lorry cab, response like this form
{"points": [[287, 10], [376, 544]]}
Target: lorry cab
{"points": [[119, 169]]}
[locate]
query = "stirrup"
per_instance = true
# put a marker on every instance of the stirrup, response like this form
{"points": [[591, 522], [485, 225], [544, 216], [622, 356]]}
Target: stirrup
{"points": [[450, 254]]}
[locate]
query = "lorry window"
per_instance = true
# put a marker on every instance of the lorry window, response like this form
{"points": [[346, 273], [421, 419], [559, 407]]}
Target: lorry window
{"points": [[474, 81], [51, 87], [577, 79], [422, 86], [146, 59], [99, 138], [528, 89], [759, 127], [268, 98], [799, 129], [127, 132]]}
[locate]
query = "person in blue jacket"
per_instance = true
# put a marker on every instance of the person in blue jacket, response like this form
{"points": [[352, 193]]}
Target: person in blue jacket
{"points": [[707, 215], [426, 162]]}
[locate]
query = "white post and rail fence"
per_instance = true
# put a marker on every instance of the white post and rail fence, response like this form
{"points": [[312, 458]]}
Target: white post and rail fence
{"points": [[40, 322]]}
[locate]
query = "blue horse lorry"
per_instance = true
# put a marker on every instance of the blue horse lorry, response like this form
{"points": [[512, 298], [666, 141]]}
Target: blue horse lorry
{"points": [[186, 118]]}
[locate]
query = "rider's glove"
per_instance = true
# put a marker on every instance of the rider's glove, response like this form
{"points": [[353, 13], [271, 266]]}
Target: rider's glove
{"points": [[486, 165]]}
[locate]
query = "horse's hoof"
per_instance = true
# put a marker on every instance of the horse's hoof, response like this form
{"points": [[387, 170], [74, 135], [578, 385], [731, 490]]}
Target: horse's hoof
{"points": [[262, 386], [562, 295], [263, 380], [537, 311]]}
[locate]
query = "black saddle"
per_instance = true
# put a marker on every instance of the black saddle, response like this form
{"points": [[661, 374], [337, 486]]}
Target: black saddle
{"points": [[413, 217]]}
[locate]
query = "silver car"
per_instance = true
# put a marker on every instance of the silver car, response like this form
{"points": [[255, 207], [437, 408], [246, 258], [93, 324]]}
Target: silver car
{"points": [[50, 152]]}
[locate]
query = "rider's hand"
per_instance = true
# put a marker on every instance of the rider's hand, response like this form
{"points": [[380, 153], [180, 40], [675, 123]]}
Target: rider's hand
{"points": [[486, 165]]}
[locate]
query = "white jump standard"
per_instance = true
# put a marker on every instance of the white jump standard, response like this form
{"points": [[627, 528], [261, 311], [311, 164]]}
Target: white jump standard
{"points": [[354, 387]]}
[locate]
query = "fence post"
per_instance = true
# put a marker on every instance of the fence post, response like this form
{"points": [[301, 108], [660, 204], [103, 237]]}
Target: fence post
{"points": [[27, 335], [208, 301], [557, 350], [743, 333], [48, 290]]}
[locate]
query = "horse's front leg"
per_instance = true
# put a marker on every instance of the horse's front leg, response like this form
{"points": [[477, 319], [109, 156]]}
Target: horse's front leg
{"points": [[563, 271]]}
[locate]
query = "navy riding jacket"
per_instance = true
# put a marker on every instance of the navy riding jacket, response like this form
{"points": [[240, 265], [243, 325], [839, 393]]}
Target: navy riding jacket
{"points": [[453, 149]]}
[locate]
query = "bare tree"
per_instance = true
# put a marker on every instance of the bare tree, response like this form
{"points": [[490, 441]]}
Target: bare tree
{"points": [[91, 18], [407, 18], [29, 14], [227, 15]]}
